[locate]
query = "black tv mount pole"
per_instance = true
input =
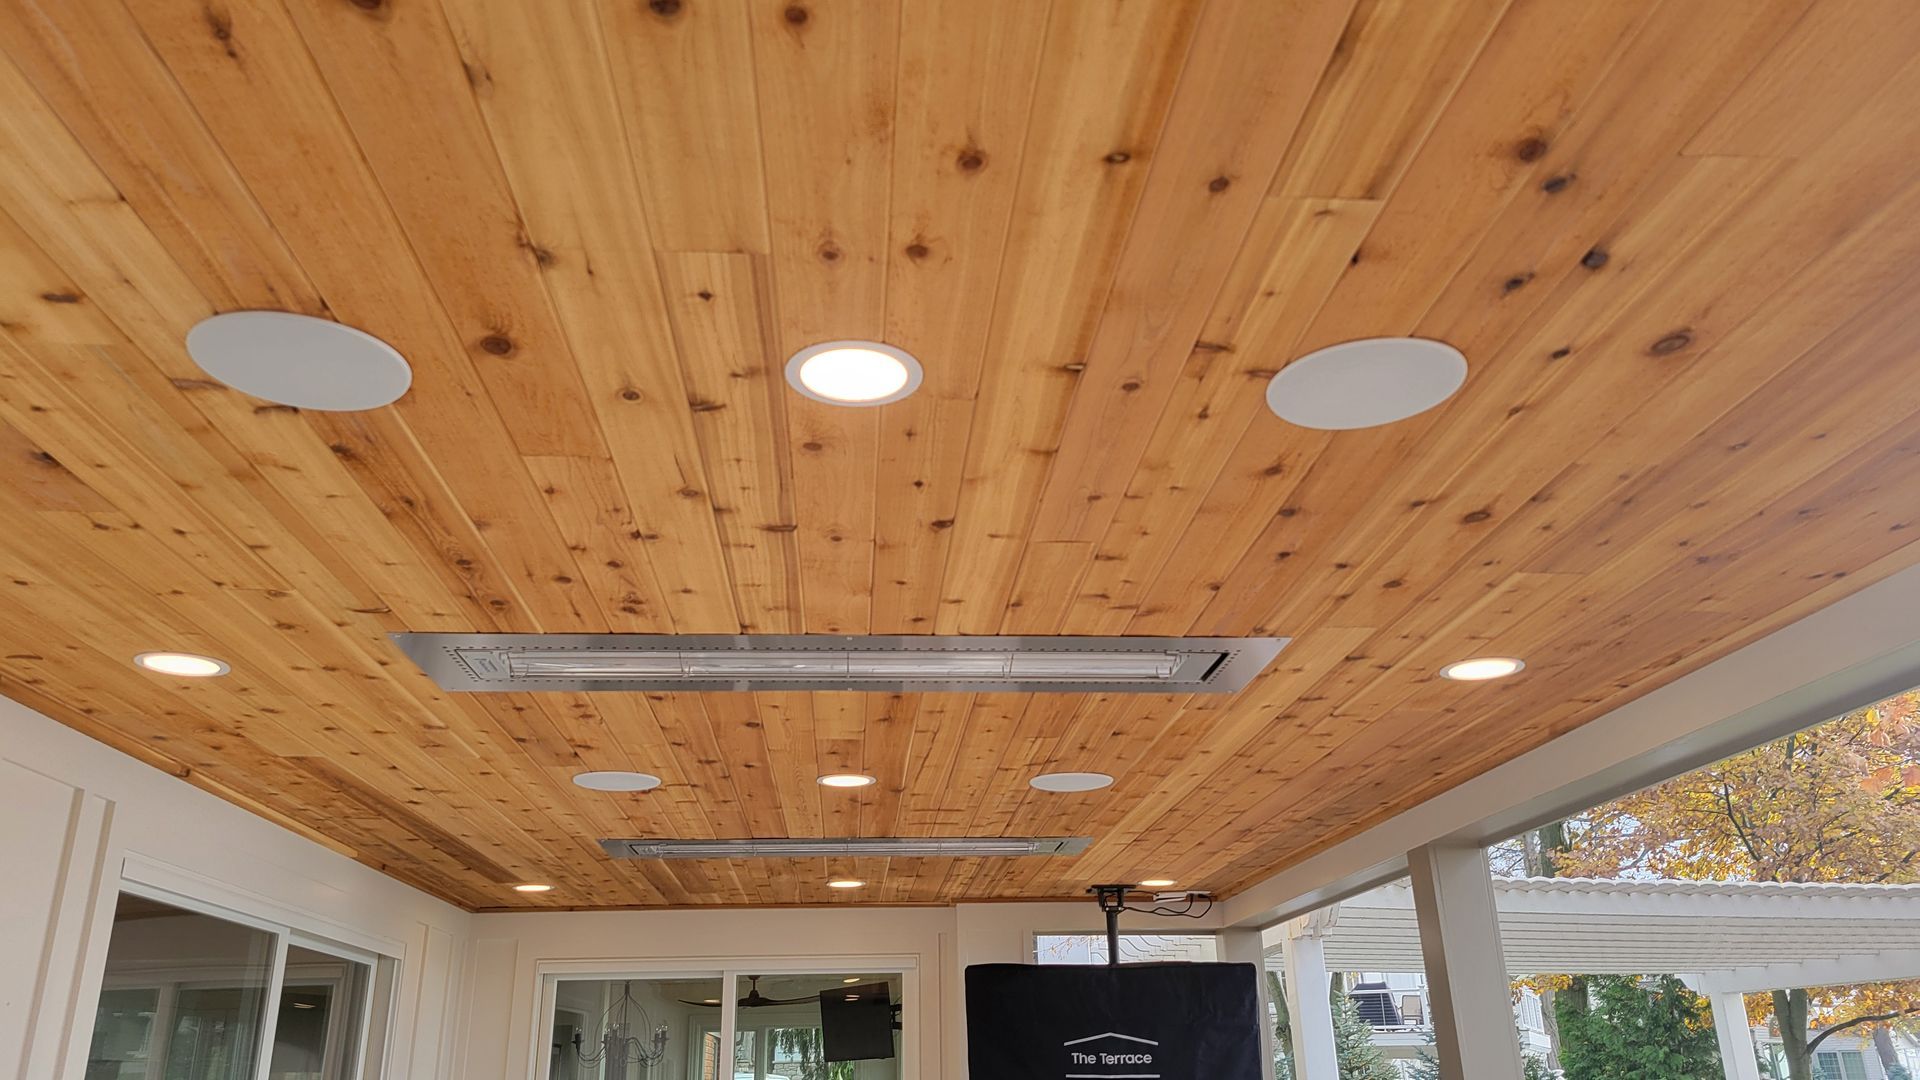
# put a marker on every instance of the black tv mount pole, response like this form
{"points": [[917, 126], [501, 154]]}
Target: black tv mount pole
{"points": [[1112, 900]]}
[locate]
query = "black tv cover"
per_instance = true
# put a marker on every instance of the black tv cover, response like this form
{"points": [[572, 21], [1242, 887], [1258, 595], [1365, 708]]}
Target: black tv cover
{"points": [[1132, 1022]]}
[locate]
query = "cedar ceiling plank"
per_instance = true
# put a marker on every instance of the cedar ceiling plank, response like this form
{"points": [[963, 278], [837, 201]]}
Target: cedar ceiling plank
{"points": [[691, 119], [1540, 63], [1394, 70], [734, 386], [1839, 58], [1105, 84], [396, 75], [131, 115], [825, 73], [590, 507], [967, 72], [548, 100], [1295, 252], [283, 133], [1246, 83]]}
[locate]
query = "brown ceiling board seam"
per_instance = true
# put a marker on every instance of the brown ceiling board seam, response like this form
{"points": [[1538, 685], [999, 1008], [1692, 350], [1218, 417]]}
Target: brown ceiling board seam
{"points": [[49, 47], [958, 160], [887, 742], [678, 87], [990, 725], [829, 232], [380, 72], [1617, 141], [560, 139], [1464, 480], [733, 388], [1209, 424], [735, 723], [1081, 168], [385, 70], [311, 147], [1839, 57], [1397, 67], [1540, 63], [589, 505], [1233, 114], [786, 730]]}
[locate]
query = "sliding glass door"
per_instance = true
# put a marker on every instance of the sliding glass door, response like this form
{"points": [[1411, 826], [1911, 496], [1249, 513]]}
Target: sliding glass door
{"points": [[779, 1025], [190, 995]]}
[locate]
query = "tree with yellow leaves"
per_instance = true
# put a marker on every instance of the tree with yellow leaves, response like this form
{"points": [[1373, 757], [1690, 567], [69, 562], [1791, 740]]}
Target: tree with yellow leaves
{"points": [[1836, 803]]}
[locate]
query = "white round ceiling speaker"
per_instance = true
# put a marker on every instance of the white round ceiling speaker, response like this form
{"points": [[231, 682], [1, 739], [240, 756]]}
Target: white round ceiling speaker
{"points": [[299, 360], [1071, 781], [616, 781], [1362, 384]]}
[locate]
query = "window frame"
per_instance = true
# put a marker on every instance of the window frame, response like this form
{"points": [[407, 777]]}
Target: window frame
{"points": [[370, 1063], [732, 972]]}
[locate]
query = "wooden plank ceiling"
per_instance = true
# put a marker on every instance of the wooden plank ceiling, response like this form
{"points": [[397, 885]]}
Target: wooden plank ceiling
{"points": [[1678, 240]]}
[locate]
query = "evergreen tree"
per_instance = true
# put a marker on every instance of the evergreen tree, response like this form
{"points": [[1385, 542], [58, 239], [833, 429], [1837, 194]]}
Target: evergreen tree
{"points": [[1353, 1044], [1661, 1031]]}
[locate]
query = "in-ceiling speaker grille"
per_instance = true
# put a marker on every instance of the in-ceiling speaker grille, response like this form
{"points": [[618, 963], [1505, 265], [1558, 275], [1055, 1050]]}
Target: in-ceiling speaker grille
{"points": [[574, 662], [807, 847]]}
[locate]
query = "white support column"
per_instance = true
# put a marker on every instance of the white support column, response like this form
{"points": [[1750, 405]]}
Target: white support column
{"points": [[1467, 976], [1737, 1056], [1309, 1010], [1239, 946]]}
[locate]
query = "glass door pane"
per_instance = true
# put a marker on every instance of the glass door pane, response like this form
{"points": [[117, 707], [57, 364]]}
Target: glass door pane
{"points": [[183, 996], [322, 1001], [842, 1026], [639, 1028]]}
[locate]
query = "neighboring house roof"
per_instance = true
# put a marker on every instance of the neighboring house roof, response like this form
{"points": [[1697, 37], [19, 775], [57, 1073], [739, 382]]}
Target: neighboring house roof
{"points": [[1735, 934]]}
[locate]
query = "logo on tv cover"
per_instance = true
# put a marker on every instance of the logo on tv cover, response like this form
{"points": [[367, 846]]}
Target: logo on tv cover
{"points": [[1117, 1056]]}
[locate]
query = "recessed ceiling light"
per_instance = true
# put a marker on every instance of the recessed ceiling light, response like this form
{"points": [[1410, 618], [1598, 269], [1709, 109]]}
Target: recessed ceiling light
{"points": [[186, 665], [533, 888], [617, 781], [711, 1001], [1363, 384], [851, 981], [1482, 668], [845, 883], [1071, 781], [847, 780], [1157, 883], [299, 360], [854, 373]]}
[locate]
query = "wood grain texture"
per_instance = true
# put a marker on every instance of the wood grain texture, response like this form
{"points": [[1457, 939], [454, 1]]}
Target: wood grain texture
{"points": [[1676, 239]]}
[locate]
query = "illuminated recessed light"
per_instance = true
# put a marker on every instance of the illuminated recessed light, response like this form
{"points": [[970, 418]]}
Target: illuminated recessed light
{"points": [[846, 883], [1481, 668], [851, 981], [1363, 384], [847, 780], [186, 665], [1071, 781], [854, 373], [299, 360], [711, 1001], [533, 888], [617, 781], [1157, 883]]}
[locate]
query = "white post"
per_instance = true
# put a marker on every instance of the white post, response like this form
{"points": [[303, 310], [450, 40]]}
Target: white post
{"points": [[1239, 946], [1309, 1010], [1737, 1055], [1467, 978]]}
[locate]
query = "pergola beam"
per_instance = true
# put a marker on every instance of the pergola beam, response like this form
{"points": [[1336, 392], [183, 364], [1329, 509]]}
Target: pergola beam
{"points": [[1888, 966]]}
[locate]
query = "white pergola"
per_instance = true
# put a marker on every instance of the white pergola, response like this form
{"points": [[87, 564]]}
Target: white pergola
{"points": [[1725, 939]]}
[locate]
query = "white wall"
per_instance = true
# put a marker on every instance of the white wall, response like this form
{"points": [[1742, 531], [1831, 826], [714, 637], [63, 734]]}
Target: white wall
{"points": [[509, 951], [77, 818]]}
